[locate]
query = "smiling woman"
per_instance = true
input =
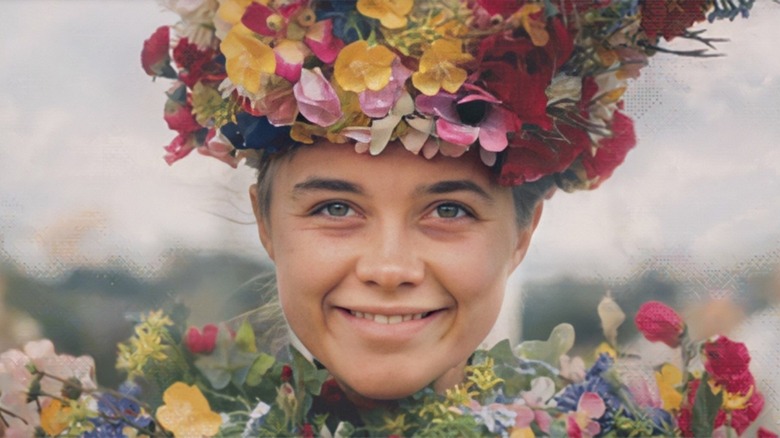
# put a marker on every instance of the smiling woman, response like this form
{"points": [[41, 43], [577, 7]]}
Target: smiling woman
{"points": [[405, 149], [392, 261]]}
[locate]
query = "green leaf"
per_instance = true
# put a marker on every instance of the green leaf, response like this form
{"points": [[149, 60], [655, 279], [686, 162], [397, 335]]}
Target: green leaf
{"points": [[550, 351], [257, 371], [705, 409], [245, 338]]}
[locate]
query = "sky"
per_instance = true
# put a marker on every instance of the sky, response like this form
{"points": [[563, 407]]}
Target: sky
{"points": [[83, 182]]}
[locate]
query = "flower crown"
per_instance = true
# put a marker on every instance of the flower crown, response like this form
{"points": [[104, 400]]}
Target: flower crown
{"points": [[535, 84]]}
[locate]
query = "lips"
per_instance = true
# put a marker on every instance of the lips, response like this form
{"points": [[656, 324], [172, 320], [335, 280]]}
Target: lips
{"points": [[389, 319]]}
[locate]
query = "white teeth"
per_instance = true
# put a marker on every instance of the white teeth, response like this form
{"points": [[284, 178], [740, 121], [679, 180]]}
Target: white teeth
{"points": [[385, 319]]}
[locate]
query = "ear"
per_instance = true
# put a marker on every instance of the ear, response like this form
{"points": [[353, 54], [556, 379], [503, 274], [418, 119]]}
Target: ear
{"points": [[263, 225], [524, 239]]}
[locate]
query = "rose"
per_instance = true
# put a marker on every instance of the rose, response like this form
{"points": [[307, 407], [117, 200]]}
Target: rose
{"points": [[728, 364], [659, 322]]}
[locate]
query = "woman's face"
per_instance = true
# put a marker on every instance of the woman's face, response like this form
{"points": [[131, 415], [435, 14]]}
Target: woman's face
{"points": [[391, 269]]}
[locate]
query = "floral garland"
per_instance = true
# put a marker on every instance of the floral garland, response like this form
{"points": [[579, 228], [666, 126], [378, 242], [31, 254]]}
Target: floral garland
{"points": [[215, 382], [536, 84]]}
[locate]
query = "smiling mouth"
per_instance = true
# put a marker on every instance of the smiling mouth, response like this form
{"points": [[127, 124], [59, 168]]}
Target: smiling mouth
{"points": [[389, 319]]}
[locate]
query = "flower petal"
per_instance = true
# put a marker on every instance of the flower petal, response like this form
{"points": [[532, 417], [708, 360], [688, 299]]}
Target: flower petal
{"points": [[322, 42], [317, 100], [463, 135]]}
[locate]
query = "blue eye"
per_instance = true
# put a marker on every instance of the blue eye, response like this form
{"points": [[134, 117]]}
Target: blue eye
{"points": [[335, 209], [450, 211]]}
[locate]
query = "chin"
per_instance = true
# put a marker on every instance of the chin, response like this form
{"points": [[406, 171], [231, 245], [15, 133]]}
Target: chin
{"points": [[393, 386]]}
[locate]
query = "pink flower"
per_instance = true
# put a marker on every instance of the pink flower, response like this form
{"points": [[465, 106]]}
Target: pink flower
{"points": [[659, 322], [297, 35], [377, 104], [219, 147], [180, 147], [581, 423], [471, 116], [317, 100], [155, 56], [201, 343]]}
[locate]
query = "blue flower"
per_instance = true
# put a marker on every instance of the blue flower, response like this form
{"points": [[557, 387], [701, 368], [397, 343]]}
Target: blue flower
{"points": [[594, 382], [497, 418], [118, 412], [348, 24], [251, 132]]}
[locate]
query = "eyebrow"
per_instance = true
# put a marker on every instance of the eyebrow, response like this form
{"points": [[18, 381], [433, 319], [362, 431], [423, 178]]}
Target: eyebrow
{"points": [[328, 184], [460, 185]]}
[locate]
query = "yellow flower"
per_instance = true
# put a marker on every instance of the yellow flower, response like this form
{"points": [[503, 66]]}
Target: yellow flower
{"points": [[605, 348], [732, 401], [525, 432], [360, 67], [460, 395], [187, 413], [156, 321], [668, 379], [439, 68], [483, 375], [54, 417], [390, 13], [231, 11], [247, 58]]}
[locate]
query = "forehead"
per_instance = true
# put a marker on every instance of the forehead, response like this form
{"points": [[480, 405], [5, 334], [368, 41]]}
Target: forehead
{"points": [[394, 167]]}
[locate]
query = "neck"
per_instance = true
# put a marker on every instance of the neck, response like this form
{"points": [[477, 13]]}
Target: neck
{"points": [[449, 379]]}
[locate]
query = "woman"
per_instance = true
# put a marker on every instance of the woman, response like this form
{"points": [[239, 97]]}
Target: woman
{"points": [[403, 151], [395, 263]]}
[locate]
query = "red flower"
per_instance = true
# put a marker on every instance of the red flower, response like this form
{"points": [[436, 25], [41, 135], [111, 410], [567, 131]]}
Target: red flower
{"points": [[155, 56], [201, 343], [685, 418], [195, 64], [659, 322], [612, 150], [728, 364], [671, 18], [529, 158], [307, 431], [286, 373], [179, 117], [331, 392], [502, 56], [503, 7], [742, 418], [763, 433]]}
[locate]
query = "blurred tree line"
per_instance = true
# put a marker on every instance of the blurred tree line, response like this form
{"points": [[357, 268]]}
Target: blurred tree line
{"points": [[87, 311]]}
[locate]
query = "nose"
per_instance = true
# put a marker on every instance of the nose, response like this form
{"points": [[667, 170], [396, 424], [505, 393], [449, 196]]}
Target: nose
{"points": [[390, 259]]}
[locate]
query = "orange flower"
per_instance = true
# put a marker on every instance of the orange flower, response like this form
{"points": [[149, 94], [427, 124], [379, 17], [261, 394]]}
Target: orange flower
{"points": [[187, 413]]}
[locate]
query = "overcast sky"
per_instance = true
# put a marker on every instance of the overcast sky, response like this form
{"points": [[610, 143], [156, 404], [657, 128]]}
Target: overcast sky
{"points": [[82, 180]]}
